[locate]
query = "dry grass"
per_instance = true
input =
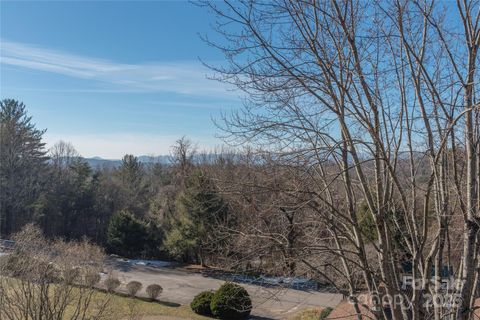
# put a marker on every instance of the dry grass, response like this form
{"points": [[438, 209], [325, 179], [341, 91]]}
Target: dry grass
{"points": [[121, 307], [57, 280], [126, 308], [309, 314]]}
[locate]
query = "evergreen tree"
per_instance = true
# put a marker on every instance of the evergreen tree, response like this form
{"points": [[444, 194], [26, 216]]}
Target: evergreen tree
{"points": [[127, 235], [133, 185], [199, 213], [22, 162], [68, 207], [131, 172]]}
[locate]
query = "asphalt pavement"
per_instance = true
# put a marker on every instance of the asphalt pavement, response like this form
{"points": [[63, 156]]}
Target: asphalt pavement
{"points": [[180, 286]]}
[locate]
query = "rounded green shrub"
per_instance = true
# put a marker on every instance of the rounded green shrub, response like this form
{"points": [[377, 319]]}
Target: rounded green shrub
{"points": [[231, 302], [201, 303]]}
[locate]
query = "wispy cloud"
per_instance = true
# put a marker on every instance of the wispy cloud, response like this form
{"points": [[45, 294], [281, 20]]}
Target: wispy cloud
{"points": [[180, 77]]}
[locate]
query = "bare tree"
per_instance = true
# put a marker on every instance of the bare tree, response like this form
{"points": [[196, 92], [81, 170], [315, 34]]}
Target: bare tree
{"points": [[51, 280], [269, 220], [183, 152], [63, 155], [369, 95]]}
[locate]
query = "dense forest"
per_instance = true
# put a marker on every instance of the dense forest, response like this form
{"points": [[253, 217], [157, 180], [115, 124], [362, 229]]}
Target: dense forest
{"points": [[134, 210], [189, 210], [359, 163]]}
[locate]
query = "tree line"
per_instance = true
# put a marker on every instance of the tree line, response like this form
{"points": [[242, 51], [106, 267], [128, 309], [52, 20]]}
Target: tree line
{"points": [[226, 208], [135, 210], [361, 163]]}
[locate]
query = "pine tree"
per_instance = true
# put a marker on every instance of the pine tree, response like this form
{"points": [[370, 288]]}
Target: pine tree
{"points": [[199, 212], [133, 185], [22, 163], [127, 235]]}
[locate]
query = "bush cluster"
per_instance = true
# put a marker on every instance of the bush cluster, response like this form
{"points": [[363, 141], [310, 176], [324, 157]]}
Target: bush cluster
{"points": [[153, 291], [201, 303], [111, 284], [229, 302], [133, 287]]}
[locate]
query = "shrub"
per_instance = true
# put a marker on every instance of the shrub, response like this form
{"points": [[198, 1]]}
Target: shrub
{"points": [[72, 275], [39, 278], [201, 303], [153, 291], [92, 278], [325, 313], [231, 302], [133, 287], [49, 271], [111, 284]]}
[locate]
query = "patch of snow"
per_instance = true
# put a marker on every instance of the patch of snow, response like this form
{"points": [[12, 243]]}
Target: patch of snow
{"points": [[290, 282], [149, 263]]}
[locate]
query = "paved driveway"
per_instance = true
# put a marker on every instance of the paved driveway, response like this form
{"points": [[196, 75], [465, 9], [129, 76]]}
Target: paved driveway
{"points": [[181, 286]]}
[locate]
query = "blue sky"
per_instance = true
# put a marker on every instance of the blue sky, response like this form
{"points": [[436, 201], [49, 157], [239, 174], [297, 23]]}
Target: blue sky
{"points": [[113, 77]]}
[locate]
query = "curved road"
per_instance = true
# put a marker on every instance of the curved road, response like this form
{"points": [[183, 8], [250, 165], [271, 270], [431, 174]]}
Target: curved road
{"points": [[180, 286]]}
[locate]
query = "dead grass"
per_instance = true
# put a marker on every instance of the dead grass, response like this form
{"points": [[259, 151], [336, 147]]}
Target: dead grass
{"points": [[121, 307], [126, 308], [309, 314]]}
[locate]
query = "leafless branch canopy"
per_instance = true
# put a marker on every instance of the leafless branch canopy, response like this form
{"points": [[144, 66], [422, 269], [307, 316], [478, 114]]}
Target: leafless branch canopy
{"points": [[378, 101]]}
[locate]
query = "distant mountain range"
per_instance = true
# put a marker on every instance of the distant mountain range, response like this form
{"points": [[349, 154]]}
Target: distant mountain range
{"points": [[98, 162]]}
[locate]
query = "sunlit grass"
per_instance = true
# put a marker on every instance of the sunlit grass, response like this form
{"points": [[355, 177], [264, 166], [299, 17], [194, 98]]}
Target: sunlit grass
{"points": [[309, 314], [120, 307]]}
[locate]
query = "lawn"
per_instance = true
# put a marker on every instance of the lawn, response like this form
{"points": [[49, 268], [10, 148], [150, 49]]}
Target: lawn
{"points": [[118, 308], [150, 310], [309, 314]]}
